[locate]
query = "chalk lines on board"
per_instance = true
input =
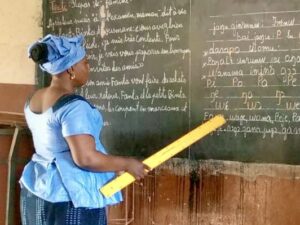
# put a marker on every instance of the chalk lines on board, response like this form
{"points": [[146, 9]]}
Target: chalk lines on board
{"points": [[251, 40], [271, 49], [255, 13], [253, 28], [252, 97], [253, 109], [284, 131], [251, 86], [204, 76], [245, 39], [241, 62]]}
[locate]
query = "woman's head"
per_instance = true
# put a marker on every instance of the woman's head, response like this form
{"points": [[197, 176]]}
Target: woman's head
{"points": [[56, 54]]}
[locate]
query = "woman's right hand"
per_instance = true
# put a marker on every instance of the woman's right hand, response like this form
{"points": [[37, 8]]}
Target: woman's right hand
{"points": [[136, 168]]}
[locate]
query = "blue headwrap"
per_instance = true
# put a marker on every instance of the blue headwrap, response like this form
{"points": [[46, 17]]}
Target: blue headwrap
{"points": [[63, 52]]}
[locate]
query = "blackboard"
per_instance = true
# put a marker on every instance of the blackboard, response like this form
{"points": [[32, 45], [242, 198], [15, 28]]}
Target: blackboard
{"points": [[161, 67]]}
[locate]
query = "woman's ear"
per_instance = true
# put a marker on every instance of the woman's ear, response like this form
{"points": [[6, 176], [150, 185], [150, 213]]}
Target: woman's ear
{"points": [[70, 71]]}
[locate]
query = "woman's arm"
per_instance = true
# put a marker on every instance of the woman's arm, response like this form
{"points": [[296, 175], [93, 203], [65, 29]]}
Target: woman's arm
{"points": [[87, 157]]}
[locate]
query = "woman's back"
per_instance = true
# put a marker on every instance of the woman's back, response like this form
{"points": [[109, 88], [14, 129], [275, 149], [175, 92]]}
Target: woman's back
{"points": [[45, 98]]}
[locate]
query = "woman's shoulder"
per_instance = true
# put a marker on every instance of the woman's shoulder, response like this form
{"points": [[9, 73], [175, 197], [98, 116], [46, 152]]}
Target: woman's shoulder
{"points": [[68, 99], [35, 101], [44, 99]]}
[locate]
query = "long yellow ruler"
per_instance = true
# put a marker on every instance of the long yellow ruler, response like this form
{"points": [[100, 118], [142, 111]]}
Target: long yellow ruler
{"points": [[164, 154]]}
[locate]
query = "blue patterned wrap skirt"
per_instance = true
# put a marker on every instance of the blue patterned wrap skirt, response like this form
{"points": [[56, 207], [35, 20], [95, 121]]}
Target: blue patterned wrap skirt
{"points": [[36, 211]]}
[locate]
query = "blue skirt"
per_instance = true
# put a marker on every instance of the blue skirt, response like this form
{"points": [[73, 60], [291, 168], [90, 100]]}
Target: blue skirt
{"points": [[36, 211]]}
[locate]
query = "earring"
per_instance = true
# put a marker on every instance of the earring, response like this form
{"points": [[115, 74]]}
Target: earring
{"points": [[72, 76]]}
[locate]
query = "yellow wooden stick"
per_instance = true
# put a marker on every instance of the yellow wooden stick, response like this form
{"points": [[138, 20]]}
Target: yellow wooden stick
{"points": [[164, 154]]}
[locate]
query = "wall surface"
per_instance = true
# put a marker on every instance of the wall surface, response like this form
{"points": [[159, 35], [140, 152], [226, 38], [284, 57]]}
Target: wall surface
{"points": [[210, 192], [20, 25], [23, 152]]}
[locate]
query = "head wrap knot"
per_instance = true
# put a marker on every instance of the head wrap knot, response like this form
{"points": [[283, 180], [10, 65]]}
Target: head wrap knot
{"points": [[62, 52]]}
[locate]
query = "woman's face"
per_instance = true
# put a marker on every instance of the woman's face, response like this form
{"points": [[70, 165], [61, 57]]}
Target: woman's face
{"points": [[81, 69]]}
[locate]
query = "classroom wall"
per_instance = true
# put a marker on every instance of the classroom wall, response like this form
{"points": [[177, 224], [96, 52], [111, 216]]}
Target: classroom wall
{"points": [[20, 25], [178, 193], [213, 192]]}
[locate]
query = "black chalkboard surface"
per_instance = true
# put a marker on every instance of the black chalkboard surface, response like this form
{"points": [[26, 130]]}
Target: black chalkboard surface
{"points": [[161, 67]]}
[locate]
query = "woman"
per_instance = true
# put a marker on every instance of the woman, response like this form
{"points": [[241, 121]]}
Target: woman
{"points": [[60, 185]]}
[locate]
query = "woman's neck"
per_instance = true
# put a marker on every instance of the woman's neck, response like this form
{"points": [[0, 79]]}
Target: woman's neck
{"points": [[62, 82]]}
